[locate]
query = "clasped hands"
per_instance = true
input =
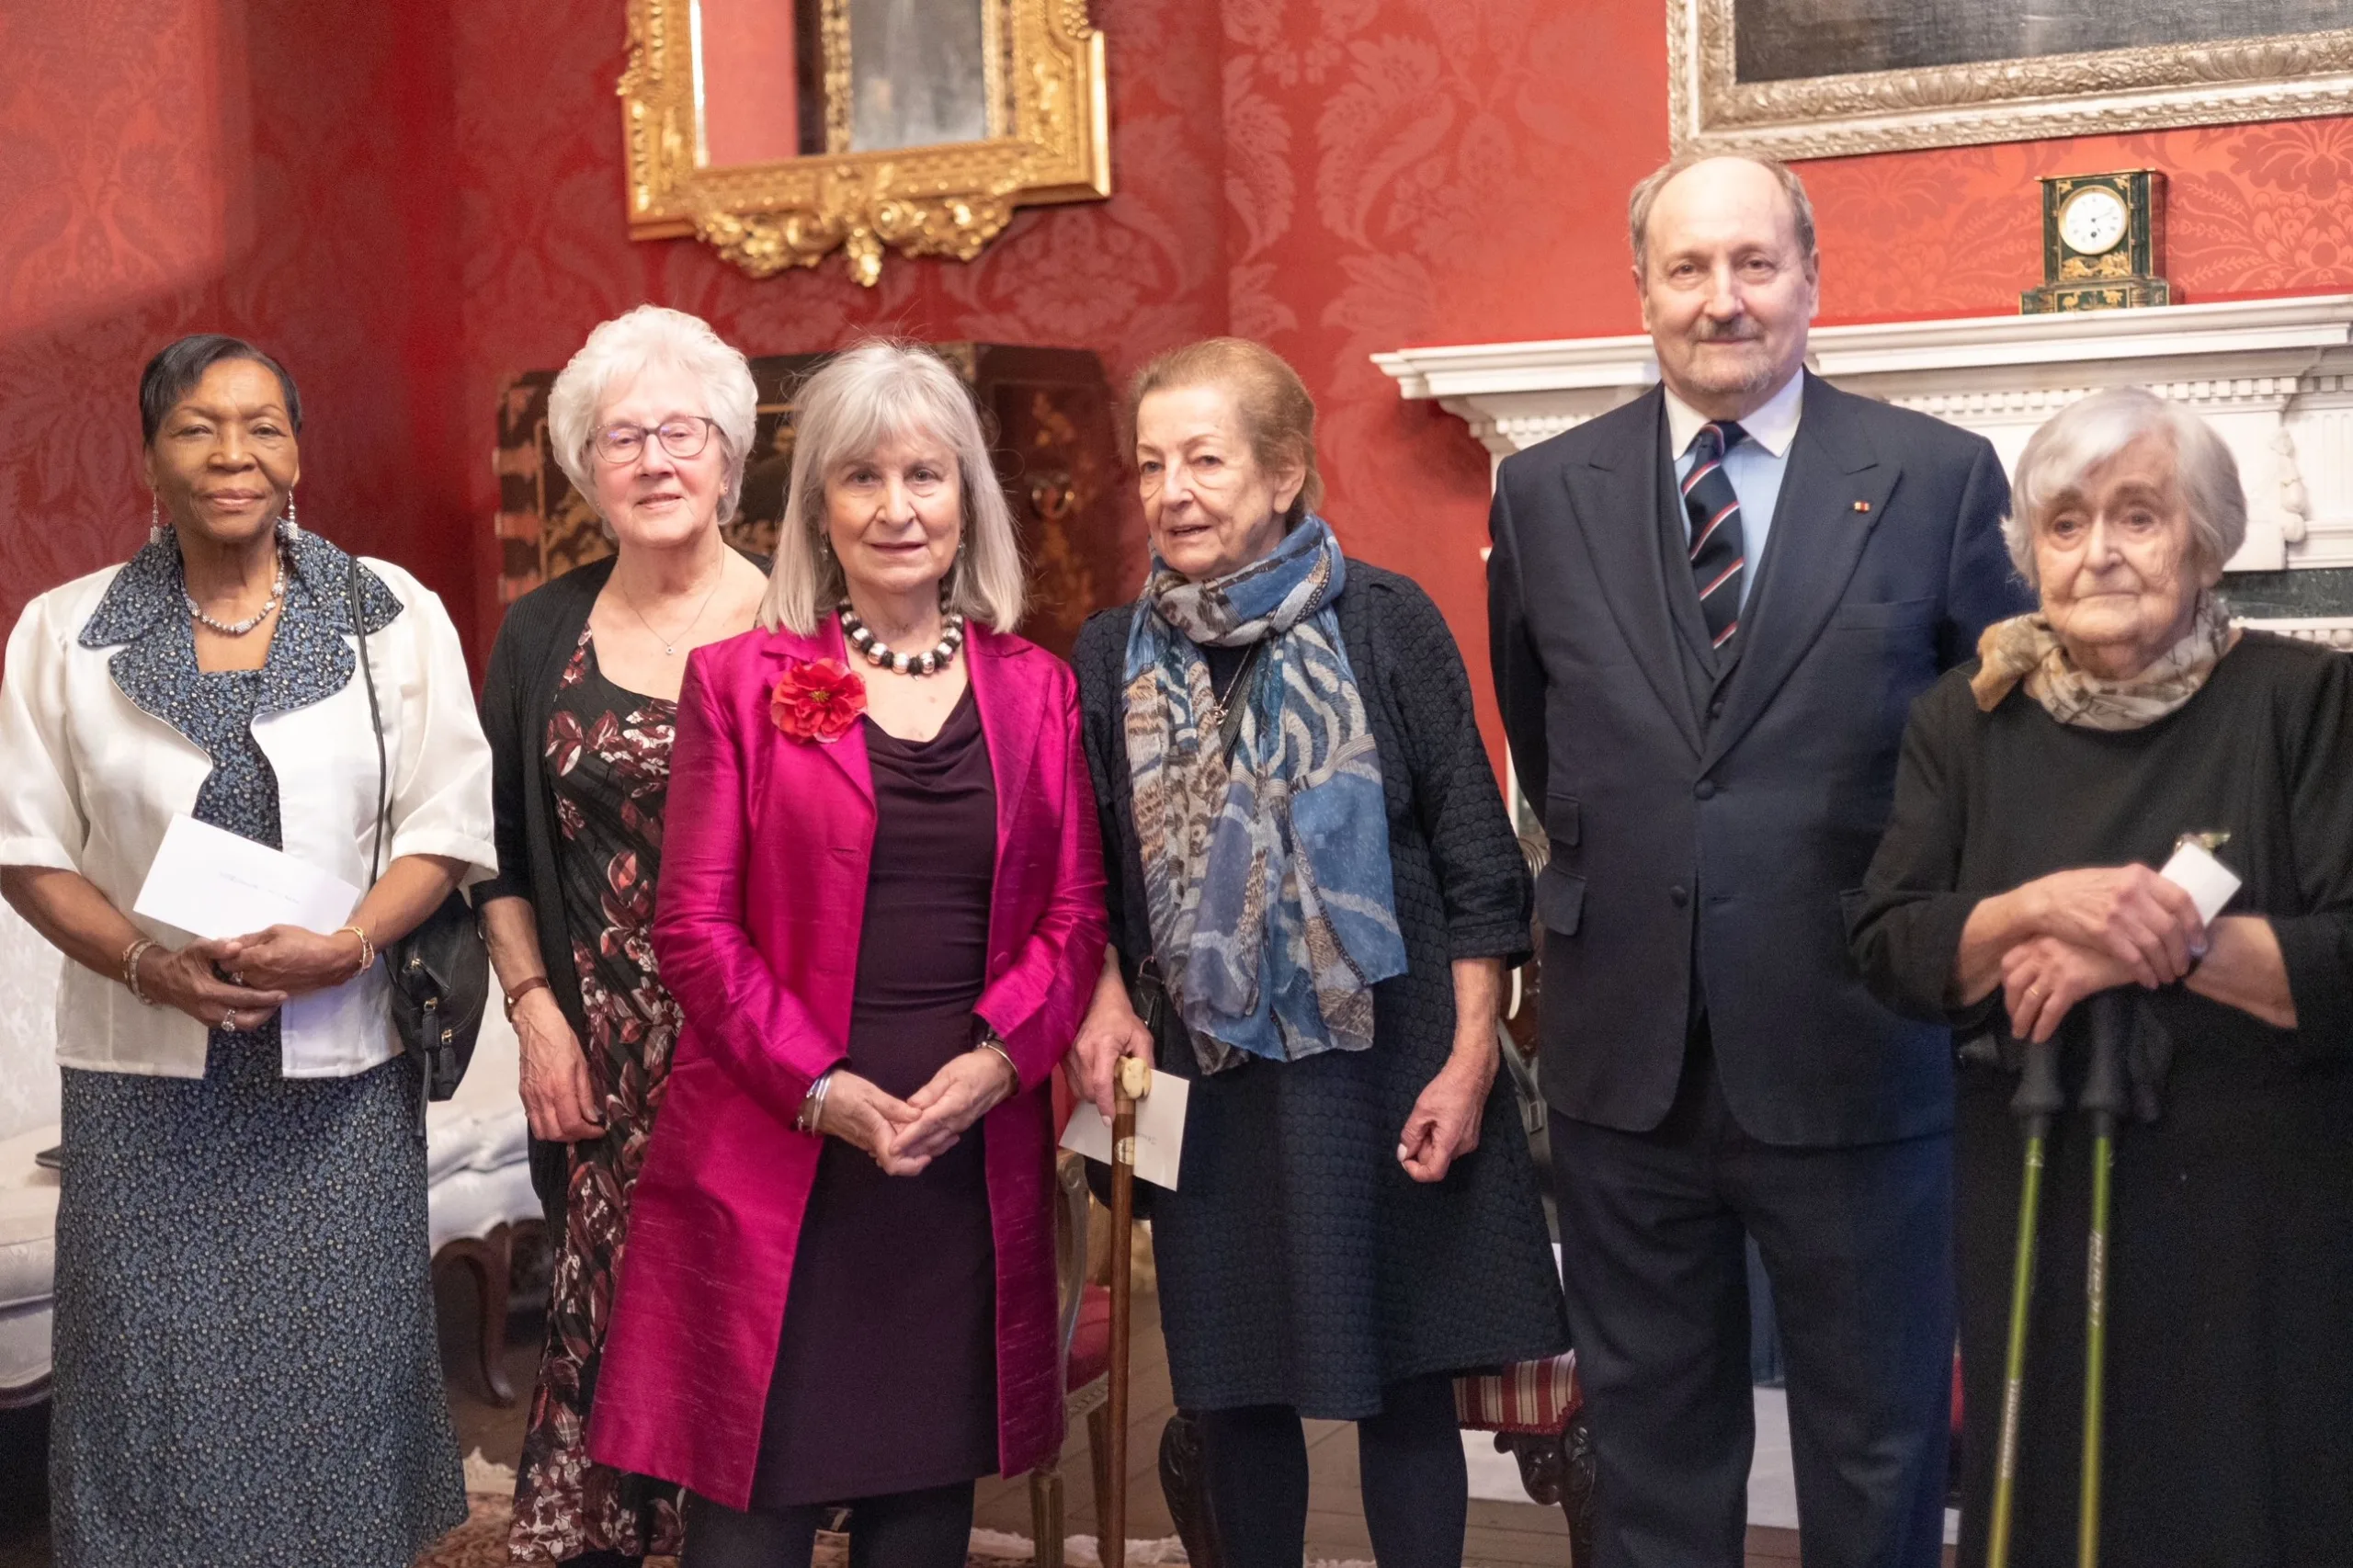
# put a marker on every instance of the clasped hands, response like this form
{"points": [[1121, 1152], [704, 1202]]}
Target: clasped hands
{"points": [[239, 981], [902, 1136], [2096, 930]]}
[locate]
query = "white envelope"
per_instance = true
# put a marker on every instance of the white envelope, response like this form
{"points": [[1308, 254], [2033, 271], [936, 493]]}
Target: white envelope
{"points": [[1160, 1130], [2207, 880], [212, 883]]}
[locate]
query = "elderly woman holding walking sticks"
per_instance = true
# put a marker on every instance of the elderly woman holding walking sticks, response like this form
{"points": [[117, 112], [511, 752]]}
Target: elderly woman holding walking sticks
{"points": [[2016, 892]]}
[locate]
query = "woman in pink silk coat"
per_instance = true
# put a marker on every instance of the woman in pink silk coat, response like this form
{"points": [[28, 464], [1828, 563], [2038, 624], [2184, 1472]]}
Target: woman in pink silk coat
{"points": [[881, 914]]}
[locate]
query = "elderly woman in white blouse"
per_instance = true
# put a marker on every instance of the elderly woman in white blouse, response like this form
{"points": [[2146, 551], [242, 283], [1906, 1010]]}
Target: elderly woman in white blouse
{"points": [[246, 1365]]}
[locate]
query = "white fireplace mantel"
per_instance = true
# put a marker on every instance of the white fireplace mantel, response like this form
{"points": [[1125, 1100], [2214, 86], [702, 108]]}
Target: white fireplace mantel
{"points": [[2273, 377]]}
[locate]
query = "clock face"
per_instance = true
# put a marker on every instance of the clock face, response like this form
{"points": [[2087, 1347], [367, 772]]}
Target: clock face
{"points": [[2093, 221]]}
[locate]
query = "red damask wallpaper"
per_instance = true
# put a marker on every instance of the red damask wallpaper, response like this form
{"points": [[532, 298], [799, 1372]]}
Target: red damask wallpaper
{"points": [[415, 202]]}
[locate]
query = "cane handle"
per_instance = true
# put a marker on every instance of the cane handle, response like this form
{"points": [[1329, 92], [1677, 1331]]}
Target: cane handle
{"points": [[1135, 1077]]}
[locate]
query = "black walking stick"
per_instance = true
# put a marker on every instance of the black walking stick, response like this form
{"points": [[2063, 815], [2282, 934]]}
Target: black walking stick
{"points": [[2037, 1101], [2104, 1100]]}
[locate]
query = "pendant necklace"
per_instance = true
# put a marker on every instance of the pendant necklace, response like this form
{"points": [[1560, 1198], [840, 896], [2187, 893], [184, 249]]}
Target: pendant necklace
{"points": [[670, 644]]}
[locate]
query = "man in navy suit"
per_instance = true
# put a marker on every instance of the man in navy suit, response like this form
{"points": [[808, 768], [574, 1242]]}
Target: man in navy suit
{"points": [[1711, 608]]}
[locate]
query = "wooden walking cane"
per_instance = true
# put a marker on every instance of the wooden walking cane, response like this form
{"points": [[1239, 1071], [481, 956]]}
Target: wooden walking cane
{"points": [[1132, 1082]]}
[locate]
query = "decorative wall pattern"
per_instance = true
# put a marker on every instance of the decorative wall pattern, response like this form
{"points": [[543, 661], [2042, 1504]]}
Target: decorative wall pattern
{"points": [[417, 208]]}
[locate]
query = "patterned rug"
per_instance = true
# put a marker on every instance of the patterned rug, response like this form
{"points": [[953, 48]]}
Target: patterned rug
{"points": [[481, 1541]]}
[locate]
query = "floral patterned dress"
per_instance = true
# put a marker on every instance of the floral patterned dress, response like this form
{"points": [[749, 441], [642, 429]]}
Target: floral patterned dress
{"points": [[608, 760]]}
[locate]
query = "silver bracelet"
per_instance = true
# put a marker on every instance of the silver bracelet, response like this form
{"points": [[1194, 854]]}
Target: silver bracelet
{"points": [[812, 1105], [995, 1047]]}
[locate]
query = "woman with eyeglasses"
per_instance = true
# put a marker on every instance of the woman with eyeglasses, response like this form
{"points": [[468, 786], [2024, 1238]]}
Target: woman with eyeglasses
{"points": [[652, 421]]}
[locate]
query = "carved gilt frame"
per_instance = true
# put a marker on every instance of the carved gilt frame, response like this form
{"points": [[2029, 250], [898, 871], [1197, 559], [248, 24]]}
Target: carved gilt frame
{"points": [[939, 200], [2010, 100]]}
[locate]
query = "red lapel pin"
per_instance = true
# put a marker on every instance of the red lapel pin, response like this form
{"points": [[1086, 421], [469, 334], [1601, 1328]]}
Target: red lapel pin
{"points": [[1862, 506]]}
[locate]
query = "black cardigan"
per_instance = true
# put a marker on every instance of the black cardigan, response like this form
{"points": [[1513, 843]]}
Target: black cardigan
{"points": [[535, 642]]}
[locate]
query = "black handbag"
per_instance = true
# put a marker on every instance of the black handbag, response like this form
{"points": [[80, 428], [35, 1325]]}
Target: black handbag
{"points": [[440, 972]]}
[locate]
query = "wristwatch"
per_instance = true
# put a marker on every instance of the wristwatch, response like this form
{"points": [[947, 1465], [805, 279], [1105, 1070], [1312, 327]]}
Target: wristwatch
{"points": [[523, 989]]}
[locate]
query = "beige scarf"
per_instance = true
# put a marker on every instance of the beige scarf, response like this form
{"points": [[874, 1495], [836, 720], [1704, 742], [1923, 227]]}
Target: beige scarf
{"points": [[2025, 648]]}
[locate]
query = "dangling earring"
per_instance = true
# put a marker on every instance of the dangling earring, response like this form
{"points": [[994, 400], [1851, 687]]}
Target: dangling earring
{"points": [[289, 530], [156, 530]]}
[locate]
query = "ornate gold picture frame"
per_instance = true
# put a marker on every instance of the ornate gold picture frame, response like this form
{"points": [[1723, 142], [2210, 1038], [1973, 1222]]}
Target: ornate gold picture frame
{"points": [[1721, 98], [1048, 140]]}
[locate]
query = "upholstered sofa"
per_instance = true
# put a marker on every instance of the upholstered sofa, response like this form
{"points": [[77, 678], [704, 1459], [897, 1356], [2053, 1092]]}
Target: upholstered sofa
{"points": [[479, 1182]]}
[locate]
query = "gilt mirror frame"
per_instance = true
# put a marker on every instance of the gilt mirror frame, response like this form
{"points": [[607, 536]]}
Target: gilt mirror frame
{"points": [[2281, 76], [1049, 143]]}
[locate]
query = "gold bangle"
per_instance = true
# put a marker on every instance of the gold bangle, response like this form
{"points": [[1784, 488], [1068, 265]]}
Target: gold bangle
{"points": [[131, 957], [367, 952]]}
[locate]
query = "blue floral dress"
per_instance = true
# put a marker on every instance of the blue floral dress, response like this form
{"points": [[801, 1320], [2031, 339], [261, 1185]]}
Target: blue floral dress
{"points": [[246, 1370]]}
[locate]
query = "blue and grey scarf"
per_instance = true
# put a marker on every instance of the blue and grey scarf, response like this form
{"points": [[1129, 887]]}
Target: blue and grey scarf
{"points": [[1266, 874]]}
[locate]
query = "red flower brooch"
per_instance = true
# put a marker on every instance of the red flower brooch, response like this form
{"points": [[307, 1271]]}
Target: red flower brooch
{"points": [[817, 700]]}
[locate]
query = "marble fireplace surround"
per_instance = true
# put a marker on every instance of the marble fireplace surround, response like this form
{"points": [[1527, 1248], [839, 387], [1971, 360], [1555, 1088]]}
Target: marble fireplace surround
{"points": [[2274, 376]]}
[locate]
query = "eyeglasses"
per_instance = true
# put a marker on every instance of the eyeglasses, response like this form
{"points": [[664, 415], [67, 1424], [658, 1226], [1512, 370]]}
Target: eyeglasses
{"points": [[683, 436]]}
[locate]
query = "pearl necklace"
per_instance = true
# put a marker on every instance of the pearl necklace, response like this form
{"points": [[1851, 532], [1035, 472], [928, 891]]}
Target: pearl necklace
{"points": [[239, 628], [941, 655]]}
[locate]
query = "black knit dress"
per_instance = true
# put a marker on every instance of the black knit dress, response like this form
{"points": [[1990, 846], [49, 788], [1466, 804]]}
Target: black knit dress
{"points": [[2229, 1426], [1299, 1264]]}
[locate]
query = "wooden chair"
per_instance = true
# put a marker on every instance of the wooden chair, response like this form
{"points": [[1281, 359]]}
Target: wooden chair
{"points": [[1085, 1339]]}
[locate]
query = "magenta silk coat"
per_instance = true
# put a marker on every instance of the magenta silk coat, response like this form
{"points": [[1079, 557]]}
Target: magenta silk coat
{"points": [[764, 858]]}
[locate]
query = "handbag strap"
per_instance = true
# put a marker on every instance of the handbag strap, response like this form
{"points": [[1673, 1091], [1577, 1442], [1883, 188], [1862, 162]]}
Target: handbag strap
{"points": [[375, 723]]}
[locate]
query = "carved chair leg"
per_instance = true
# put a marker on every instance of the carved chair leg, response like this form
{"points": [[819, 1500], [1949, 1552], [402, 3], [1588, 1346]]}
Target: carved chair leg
{"points": [[1046, 1513], [491, 1262], [1098, 1460], [495, 1269], [1581, 1475], [1184, 1481]]}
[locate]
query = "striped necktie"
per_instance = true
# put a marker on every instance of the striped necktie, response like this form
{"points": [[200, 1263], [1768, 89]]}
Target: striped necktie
{"points": [[1717, 553]]}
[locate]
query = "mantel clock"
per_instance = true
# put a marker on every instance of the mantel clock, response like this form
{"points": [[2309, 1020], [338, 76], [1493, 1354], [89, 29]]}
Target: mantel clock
{"points": [[2103, 242]]}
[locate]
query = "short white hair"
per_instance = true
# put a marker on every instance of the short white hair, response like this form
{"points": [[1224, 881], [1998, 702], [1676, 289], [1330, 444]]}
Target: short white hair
{"points": [[622, 348], [2090, 431], [862, 399]]}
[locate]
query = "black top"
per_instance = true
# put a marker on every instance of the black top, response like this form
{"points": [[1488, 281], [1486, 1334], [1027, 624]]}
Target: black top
{"points": [[1299, 1264], [886, 1371], [1985, 801], [2230, 1261]]}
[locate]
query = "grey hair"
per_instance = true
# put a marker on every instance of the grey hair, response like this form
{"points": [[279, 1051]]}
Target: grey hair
{"points": [[624, 346], [1645, 196], [864, 397], [2090, 431]]}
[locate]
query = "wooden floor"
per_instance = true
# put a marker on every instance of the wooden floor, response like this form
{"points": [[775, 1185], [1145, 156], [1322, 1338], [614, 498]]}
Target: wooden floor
{"points": [[1500, 1533]]}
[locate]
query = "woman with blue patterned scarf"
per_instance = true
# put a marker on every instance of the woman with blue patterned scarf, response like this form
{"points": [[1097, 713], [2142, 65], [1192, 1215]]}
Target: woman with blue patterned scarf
{"points": [[1315, 888]]}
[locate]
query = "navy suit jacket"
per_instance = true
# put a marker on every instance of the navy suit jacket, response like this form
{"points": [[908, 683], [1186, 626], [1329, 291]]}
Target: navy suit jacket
{"points": [[1719, 823]]}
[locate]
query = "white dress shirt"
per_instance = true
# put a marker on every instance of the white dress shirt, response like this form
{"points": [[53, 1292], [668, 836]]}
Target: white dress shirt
{"points": [[1755, 467], [91, 781]]}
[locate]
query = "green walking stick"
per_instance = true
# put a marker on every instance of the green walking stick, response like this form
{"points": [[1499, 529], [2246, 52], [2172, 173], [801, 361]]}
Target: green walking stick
{"points": [[2103, 1097], [2037, 1101]]}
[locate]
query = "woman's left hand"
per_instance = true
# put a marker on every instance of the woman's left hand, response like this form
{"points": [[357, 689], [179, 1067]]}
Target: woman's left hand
{"points": [[2043, 978], [1444, 1124], [959, 1094], [288, 959]]}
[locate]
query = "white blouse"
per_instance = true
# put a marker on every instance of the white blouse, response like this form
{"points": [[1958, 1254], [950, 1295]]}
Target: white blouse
{"points": [[90, 781]]}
